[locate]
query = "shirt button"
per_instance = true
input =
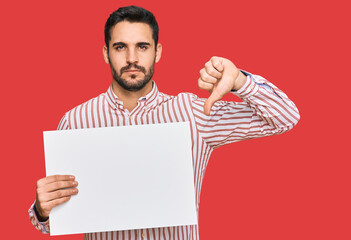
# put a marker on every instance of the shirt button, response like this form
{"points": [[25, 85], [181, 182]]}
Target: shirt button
{"points": [[143, 235], [131, 117]]}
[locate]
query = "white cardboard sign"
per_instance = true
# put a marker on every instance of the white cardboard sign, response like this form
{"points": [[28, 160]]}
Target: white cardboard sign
{"points": [[130, 177]]}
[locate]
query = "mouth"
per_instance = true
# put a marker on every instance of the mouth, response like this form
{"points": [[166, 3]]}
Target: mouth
{"points": [[132, 71]]}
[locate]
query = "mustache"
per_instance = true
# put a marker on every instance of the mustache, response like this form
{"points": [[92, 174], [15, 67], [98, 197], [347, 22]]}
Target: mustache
{"points": [[129, 66]]}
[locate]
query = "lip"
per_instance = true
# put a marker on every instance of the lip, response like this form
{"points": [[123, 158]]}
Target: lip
{"points": [[132, 71]]}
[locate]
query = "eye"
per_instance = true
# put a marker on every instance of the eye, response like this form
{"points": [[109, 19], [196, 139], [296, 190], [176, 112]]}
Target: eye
{"points": [[120, 47], [143, 47]]}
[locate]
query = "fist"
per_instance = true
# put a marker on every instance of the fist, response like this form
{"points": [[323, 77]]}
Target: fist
{"points": [[219, 76]]}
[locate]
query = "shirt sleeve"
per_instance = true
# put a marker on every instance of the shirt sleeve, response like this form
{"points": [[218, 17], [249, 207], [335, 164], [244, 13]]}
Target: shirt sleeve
{"points": [[44, 227], [265, 110]]}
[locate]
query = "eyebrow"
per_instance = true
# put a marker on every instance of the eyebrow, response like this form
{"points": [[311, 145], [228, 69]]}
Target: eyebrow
{"points": [[143, 43], [118, 43], [123, 44]]}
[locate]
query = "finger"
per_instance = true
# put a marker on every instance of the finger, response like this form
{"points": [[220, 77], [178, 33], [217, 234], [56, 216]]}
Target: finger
{"points": [[205, 85], [217, 63], [58, 201], [54, 178], [57, 185], [209, 103], [212, 71], [206, 77], [57, 194], [48, 206]]}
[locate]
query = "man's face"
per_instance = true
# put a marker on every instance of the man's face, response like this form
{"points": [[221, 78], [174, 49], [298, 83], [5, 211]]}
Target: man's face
{"points": [[132, 54]]}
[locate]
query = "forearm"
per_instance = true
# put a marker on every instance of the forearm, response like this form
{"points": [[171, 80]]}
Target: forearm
{"points": [[265, 111], [269, 103]]}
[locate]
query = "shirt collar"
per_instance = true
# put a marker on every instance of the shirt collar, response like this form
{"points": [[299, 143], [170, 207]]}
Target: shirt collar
{"points": [[149, 99]]}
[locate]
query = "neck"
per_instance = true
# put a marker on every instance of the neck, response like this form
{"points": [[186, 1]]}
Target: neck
{"points": [[130, 98]]}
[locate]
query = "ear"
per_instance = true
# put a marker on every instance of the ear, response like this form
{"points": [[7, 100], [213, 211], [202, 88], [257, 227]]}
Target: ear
{"points": [[158, 52], [105, 53]]}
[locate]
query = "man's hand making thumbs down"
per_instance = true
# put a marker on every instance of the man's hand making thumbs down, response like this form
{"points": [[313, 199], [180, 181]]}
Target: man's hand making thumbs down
{"points": [[219, 76]]}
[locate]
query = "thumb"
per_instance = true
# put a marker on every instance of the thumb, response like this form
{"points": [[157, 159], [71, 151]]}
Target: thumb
{"points": [[209, 103]]}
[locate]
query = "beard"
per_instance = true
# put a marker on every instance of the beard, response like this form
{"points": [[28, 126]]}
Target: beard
{"points": [[128, 85]]}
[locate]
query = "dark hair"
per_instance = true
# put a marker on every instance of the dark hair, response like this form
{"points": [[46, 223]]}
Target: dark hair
{"points": [[131, 14]]}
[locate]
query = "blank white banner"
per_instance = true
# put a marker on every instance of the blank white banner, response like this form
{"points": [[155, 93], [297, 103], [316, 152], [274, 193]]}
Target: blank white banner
{"points": [[129, 177]]}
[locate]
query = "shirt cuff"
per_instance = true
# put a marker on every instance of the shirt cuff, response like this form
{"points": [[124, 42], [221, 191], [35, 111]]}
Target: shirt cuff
{"points": [[248, 89], [43, 227]]}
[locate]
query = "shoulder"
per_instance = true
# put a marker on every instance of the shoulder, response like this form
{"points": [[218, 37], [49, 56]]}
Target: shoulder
{"points": [[197, 103], [184, 101], [87, 107], [180, 96], [93, 102]]}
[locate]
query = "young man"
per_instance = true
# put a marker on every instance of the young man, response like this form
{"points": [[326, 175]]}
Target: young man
{"points": [[132, 49]]}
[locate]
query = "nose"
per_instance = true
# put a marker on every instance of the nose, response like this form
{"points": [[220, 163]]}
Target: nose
{"points": [[132, 56]]}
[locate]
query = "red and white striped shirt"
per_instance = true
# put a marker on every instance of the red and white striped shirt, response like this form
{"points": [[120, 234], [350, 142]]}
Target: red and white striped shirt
{"points": [[265, 111]]}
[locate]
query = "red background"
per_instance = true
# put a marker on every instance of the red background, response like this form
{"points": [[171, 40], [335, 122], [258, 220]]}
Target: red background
{"points": [[291, 186]]}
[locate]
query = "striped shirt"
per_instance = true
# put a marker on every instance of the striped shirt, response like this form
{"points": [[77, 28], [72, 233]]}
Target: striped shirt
{"points": [[265, 111]]}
